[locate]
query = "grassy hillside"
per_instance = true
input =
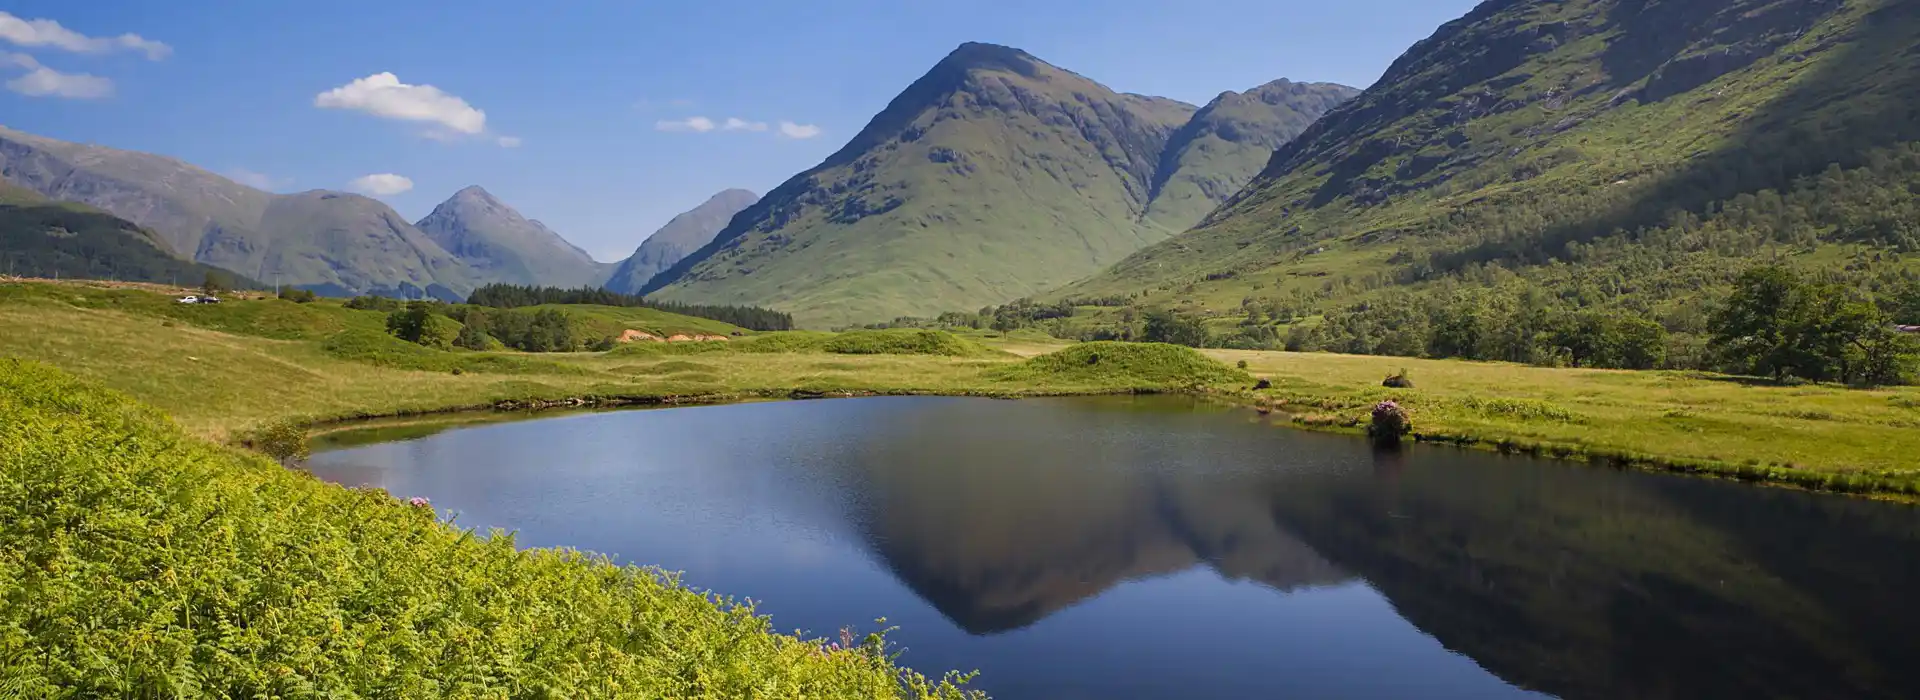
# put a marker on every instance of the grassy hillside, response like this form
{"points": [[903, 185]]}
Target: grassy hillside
{"points": [[1585, 154], [994, 176], [75, 241], [1228, 142], [143, 562]]}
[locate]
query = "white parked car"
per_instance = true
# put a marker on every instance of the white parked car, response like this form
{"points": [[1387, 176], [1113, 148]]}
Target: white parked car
{"points": [[189, 299]]}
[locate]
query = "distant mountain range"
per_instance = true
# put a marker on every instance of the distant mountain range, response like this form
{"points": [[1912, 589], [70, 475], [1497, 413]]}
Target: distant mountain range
{"points": [[333, 242], [682, 236], [1623, 155], [994, 176]]}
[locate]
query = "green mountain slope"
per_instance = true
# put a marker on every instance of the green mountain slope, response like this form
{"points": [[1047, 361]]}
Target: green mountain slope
{"points": [[330, 241], [500, 245], [74, 241], [678, 239], [1625, 153], [994, 176], [1229, 141]]}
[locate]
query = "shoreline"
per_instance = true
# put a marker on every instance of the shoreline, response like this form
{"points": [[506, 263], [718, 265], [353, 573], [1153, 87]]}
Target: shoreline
{"points": [[1878, 487], [224, 372]]}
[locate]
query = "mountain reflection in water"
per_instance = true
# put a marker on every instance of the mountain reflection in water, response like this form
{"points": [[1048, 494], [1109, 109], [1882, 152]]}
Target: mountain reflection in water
{"points": [[1007, 516]]}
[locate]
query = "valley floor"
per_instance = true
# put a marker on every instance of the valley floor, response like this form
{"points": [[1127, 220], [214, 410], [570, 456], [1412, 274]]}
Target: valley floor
{"points": [[216, 384]]}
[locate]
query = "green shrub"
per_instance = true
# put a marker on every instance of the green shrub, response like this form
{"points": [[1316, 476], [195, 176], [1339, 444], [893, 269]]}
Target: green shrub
{"points": [[1117, 364], [418, 324], [374, 303], [904, 342], [283, 440], [382, 350], [140, 562], [298, 296], [472, 338]]}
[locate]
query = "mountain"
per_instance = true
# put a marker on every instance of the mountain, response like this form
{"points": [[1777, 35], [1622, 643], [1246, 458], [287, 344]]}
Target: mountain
{"points": [[1631, 155], [47, 239], [682, 236], [1228, 142], [500, 245], [994, 176], [331, 241]]}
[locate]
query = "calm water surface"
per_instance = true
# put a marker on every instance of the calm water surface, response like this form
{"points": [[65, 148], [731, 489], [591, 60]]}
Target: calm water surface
{"points": [[1157, 548]]}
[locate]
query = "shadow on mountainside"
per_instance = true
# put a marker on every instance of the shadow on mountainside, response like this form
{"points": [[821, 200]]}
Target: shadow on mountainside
{"points": [[1858, 100]]}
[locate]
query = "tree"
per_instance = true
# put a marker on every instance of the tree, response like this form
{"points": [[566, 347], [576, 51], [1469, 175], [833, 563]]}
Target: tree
{"points": [[214, 284], [418, 324], [1758, 327], [1165, 326], [1778, 325], [298, 296], [1642, 344]]}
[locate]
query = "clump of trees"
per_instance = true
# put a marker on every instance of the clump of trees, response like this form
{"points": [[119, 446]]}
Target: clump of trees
{"points": [[511, 296], [1780, 325], [298, 296], [375, 303], [417, 323], [446, 326], [526, 330]]}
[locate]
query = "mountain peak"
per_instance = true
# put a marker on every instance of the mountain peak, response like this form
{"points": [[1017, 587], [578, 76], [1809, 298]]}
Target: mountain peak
{"points": [[975, 55], [496, 239], [682, 236], [477, 195]]}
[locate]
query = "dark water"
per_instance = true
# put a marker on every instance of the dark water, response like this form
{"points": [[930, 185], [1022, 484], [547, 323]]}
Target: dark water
{"points": [[1155, 548]]}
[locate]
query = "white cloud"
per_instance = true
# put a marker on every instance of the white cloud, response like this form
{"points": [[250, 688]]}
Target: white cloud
{"points": [[695, 124], [258, 181], [41, 81], [46, 32], [738, 124], [701, 125], [380, 185], [383, 95], [508, 141], [798, 131]]}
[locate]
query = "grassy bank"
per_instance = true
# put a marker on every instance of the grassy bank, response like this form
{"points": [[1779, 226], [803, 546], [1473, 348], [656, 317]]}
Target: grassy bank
{"points": [[223, 369], [1813, 436], [137, 561]]}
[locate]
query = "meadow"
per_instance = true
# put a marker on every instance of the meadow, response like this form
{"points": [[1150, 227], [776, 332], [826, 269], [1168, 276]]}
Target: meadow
{"points": [[144, 554], [224, 370]]}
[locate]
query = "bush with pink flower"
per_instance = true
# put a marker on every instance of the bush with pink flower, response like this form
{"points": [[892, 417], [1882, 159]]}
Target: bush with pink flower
{"points": [[1390, 421]]}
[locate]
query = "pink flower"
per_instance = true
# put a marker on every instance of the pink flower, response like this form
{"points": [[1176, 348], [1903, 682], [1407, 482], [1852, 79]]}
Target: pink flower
{"points": [[418, 502]]}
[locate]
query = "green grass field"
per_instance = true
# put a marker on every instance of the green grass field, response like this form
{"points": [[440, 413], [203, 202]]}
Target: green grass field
{"points": [[230, 368]]}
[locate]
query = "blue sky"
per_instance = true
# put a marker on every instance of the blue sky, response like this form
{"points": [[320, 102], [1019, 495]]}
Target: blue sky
{"points": [[558, 107]]}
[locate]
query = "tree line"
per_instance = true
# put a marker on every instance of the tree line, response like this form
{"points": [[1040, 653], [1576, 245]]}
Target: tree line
{"points": [[510, 296], [446, 326]]}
